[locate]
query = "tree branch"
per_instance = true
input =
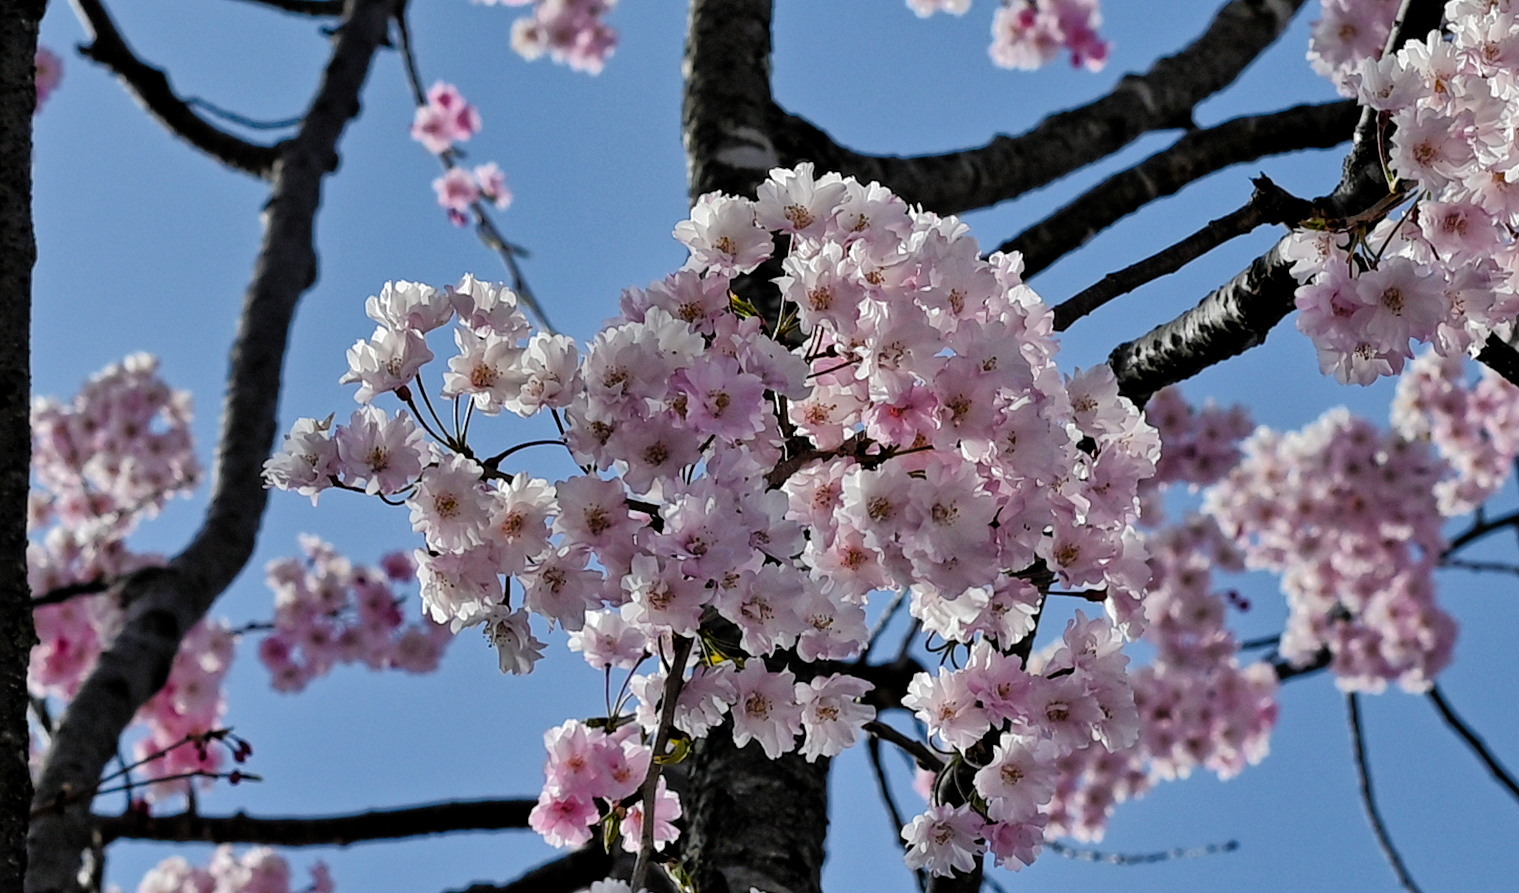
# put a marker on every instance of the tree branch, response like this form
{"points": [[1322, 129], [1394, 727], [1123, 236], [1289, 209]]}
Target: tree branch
{"points": [[1085, 855], [1238, 315], [163, 603], [321, 9], [150, 87], [1269, 203], [1478, 747], [1008, 166], [920, 752], [575, 871], [1196, 155], [69, 592], [336, 830], [1368, 801], [1501, 358], [727, 107]]}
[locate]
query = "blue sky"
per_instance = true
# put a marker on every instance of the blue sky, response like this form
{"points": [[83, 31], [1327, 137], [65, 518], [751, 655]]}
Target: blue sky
{"points": [[145, 245]]}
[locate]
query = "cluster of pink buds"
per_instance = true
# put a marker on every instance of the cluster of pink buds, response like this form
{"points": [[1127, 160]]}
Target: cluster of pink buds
{"points": [[191, 704], [1348, 516], [1474, 426], [445, 119], [592, 776], [1031, 33], [103, 461], [1196, 706], [572, 32], [900, 424]]}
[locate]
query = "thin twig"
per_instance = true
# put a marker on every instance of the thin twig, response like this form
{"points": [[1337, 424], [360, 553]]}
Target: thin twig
{"points": [[71, 591], [1482, 527], [241, 120], [1368, 800], [873, 748], [1085, 855], [485, 226], [1481, 566], [897, 600], [322, 9], [1476, 744], [674, 678]]}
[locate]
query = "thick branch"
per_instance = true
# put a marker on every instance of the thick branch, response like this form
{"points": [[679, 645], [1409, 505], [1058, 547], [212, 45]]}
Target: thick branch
{"points": [[336, 830], [726, 109], [150, 87], [162, 604], [1009, 166], [1238, 315], [1194, 156], [18, 253]]}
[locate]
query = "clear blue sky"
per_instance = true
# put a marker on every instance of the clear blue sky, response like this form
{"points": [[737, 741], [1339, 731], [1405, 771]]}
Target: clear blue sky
{"points": [[145, 245]]}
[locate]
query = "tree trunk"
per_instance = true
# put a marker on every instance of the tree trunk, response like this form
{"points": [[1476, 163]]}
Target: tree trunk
{"points": [[18, 252]]}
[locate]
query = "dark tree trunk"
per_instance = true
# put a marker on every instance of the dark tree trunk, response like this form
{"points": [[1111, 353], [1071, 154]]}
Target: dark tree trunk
{"points": [[18, 252]]}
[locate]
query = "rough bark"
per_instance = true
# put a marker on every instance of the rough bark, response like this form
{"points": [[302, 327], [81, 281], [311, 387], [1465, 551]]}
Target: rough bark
{"points": [[725, 114], [754, 821], [1008, 166], [163, 604], [18, 252]]}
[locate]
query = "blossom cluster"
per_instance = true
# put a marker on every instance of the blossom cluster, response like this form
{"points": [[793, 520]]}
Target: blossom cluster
{"points": [[900, 423], [1349, 33], [259, 870], [329, 612], [1475, 427], [1196, 705], [113, 455], [444, 119], [1442, 272], [572, 32], [1031, 33], [587, 765], [1348, 516], [1013, 727]]}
